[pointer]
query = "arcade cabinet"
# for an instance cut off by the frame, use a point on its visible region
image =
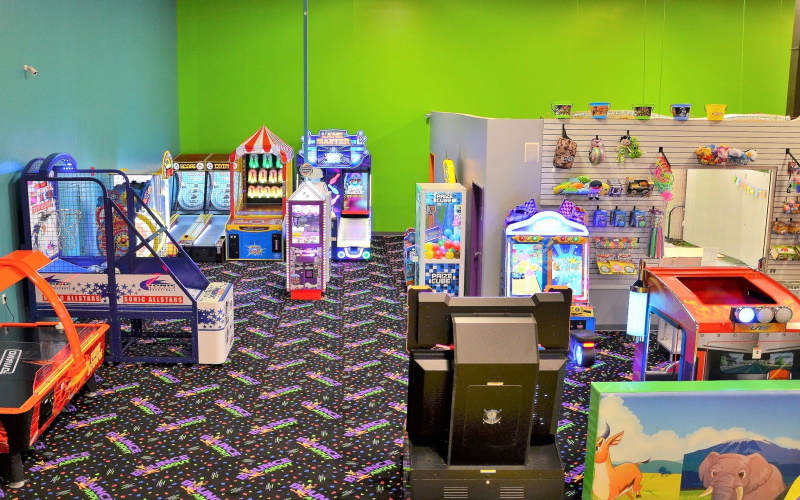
(439, 234)
(260, 182)
(484, 395)
(548, 251)
(346, 166)
(201, 204)
(43, 365)
(308, 241)
(733, 323)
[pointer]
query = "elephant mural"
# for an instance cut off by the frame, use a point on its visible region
(740, 477)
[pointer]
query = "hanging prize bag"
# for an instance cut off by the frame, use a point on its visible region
(565, 150)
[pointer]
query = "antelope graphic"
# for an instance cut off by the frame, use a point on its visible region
(612, 482)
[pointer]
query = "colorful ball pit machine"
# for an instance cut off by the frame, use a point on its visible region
(547, 251)
(440, 235)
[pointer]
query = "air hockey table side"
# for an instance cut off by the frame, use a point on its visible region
(42, 365)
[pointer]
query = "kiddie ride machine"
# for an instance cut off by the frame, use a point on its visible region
(544, 251)
(42, 366)
(731, 323)
(346, 166)
(261, 180)
(106, 264)
(201, 204)
(484, 398)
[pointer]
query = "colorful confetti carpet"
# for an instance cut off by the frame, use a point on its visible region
(309, 405)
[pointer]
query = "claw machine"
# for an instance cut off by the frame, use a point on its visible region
(308, 240)
(260, 182)
(439, 235)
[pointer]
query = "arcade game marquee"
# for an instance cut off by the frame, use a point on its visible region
(346, 166)
(260, 181)
(201, 204)
(733, 323)
(548, 251)
(42, 365)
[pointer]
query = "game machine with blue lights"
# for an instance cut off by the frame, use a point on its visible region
(439, 233)
(730, 323)
(546, 251)
(308, 240)
(201, 204)
(106, 263)
(346, 167)
(260, 181)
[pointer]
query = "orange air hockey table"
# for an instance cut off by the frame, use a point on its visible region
(733, 323)
(42, 365)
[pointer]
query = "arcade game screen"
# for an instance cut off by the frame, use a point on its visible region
(356, 196)
(527, 268)
(566, 267)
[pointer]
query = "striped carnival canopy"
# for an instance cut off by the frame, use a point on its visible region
(264, 141)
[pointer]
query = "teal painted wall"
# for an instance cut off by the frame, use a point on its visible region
(380, 66)
(106, 91)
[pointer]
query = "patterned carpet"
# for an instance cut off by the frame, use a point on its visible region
(309, 405)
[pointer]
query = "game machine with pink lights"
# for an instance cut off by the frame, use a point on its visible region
(308, 241)
(439, 234)
(727, 323)
(545, 251)
(346, 167)
(260, 181)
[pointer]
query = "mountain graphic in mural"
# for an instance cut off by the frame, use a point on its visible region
(787, 460)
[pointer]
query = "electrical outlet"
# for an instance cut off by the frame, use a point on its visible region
(5, 301)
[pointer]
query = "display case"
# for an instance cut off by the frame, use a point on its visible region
(260, 180)
(308, 242)
(439, 235)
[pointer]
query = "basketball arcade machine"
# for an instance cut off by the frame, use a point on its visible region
(103, 266)
(346, 165)
(201, 205)
(548, 251)
(260, 182)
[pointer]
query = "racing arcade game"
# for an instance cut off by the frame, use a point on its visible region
(484, 395)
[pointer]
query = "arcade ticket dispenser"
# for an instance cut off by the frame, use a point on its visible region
(309, 235)
(440, 235)
(260, 180)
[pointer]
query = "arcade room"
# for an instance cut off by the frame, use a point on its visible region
(286, 249)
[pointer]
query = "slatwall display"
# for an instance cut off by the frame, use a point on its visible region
(679, 140)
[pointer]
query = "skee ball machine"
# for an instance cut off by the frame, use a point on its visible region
(548, 251)
(439, 235)
(731, 323)
(42, 365)
(260, 180)
(484, 399)
(347, 166)
(308, 241)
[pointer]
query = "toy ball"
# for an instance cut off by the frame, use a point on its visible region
(441, 242)
(429, 246)
(456, 245)
(455, 237)
(428, 254)
(596, 156)
(448, 244)
(448, 232)
(449, 255)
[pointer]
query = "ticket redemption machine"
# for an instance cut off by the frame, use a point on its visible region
(483, 414)
(439, 235)
(548, 251)
(260, 181)
(44, 365)
(346, 165)
(308, 240)
(732, 323)
(201, 204)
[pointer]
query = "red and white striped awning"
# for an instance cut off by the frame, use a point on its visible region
(264, 141)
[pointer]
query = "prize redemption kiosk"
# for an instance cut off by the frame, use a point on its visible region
(548, 251)
(439, 235)
(201, 204)
(43, 365)
(308, 241)
(732, 323)
(346, 166)
(260, 180)
(483, 398)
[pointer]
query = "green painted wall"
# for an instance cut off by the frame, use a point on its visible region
(380, 66)
(106, 91)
